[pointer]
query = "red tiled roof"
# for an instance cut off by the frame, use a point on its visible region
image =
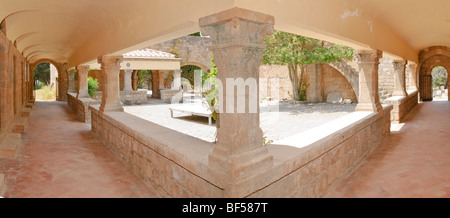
(148, 53)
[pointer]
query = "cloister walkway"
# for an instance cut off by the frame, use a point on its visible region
(59, 157)
(412, 162)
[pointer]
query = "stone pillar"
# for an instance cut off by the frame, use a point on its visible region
(399, 78)
(127, 80)
(237, 37)
(161, 79)
(71, 78)
(412, 69)
(83, 71)
(156, 92)
(62, 82)
(134, 80)
(314, 76)
(176, 79)
(110, 66)
(368, 61)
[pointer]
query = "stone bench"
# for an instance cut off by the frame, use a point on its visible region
(9, 143)
(194, 109)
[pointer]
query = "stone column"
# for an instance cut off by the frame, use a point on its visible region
(134, 80)
(161, 79)
(368, 61)
(71, 75)
(156, 92)
(412, 69)
(176, 79)
(83, 71)
(237, 37)
(110, 66)
(399, 78)
(127, 80)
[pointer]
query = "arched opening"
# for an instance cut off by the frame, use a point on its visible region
(439, 78)
(45, 82)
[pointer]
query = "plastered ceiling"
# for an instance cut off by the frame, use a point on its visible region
(79, 31)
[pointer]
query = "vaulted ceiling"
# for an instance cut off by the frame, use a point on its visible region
(80, 31)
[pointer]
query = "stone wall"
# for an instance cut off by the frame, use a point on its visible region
(334, 81)
(402, 105)
(176, 165)
(312, 167)
(172, 164)
(282, 74)
(386, 77)
(193, 50)
(80, 107)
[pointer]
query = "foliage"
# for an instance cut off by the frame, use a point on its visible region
(145, 76)
(188, 72)
(439, 76)
(92, 86)
(195, 34)
(39, 85)
(212, 94)
(175, 48)
(297, 51)
(42, 73)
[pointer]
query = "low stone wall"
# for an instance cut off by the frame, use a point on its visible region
(128, 98)
(168, 94)
(309, 164)
(81, 106)
(315, 162)
(171, 163)
(402, 105)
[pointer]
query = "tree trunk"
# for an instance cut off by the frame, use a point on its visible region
(293, 75)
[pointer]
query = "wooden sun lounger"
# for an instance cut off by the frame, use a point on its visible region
(197, 110)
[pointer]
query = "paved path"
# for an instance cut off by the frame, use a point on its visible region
(412, 162)
(59, 157)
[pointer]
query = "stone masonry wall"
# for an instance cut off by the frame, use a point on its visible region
(402, 105)
(315, 174)
(173, 165)
(80, 107)
(334, 81)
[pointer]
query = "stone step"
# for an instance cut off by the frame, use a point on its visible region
(10, 144)
(26, 112)
(2, 183)
(20, 124)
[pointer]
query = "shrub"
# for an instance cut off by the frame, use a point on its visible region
(92, 86)
(39, 85)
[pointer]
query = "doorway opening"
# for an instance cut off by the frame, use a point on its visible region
(439, 83)
(45, 82)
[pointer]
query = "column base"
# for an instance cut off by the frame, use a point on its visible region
(369, 107)
(111, 108)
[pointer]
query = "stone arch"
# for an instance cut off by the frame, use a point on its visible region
(428, 59)
(204, 67)
(62, 79)
(350, 73)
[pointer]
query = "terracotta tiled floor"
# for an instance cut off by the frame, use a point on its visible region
(59, 157)
(412, 162)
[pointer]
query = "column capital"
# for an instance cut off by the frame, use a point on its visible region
(110, 61)
(82, 68)
(237, 27)
(368, 56)
(399, 64)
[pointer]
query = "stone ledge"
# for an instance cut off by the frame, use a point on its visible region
(26, 111)
(10, 144)
(314, 162)
(127, 135)
(80, 106)
(2, 184)
(402, 105)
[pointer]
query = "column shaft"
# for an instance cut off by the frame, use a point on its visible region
(412, 69)
(110, 66)
(399, 79)
(237, 37)
(368, 61)
(127, 80)
(83, 71)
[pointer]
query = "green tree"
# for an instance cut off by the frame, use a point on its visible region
(92, 86)
(145, 76)
(42, 73)
(296, 52)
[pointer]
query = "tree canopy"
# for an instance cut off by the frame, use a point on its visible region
(297, 51)
(42, 73)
